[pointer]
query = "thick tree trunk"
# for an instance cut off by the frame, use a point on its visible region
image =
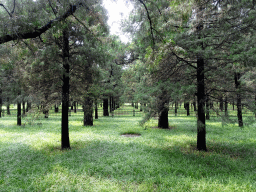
(201, 129)
(65, 144)
(239, 105)
(105, 107)
(207, 108)
(163, 118)
(136, 106)
(96, 109)
(88, 111)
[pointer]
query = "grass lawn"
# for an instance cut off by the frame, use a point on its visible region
(103, 160)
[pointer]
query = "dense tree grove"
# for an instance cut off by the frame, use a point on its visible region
(195, 52)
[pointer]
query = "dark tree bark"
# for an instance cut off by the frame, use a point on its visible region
(110, 104)
(187, 108)
(105, 107)
(136, 106)
(23, 108)
(8, 106)
(65, 144)
(163, 118)
(221, 103)
(96, 109)
(74, 106)
(28, 106)
(88, 111)
(175, 108)
(56, 108)
(226, 106)
(201, 129)
(19, 113)
(239, 105)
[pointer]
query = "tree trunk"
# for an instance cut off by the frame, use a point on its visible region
(105, 107)
(226, 106)
(176, 108)
(74, 106)
(96, 109)
(136, 106)
(28, 106)
(88, 111)
(65, 144)
(239, 106)
(201, 129)
(56, 108)
(163, 118)
(110, 104)
(18, 113)
(187, 108)
(23, 108)
(8, 106)
(140, 106)
(221, 103)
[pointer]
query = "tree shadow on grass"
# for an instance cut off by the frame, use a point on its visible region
(116, 161)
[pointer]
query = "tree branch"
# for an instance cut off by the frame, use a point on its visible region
(37, 32)
(6, 9)
(150, 22)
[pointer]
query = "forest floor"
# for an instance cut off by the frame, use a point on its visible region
(103, 160)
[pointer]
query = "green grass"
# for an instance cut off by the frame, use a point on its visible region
(102, 160)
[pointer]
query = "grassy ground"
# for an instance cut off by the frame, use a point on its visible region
(103, 160)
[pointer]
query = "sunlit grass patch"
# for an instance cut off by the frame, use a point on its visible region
(101, 160)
